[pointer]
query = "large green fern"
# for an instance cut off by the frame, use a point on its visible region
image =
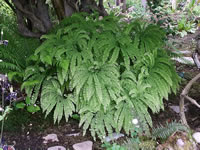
(106, 70)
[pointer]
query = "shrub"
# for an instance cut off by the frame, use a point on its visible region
(106, 70)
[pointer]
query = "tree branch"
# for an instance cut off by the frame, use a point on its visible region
(184, 95)
(192, 101)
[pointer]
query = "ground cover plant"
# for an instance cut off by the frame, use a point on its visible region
(107, 71)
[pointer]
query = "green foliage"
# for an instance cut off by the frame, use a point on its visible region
(170, 128)
(184, 26)
(131, 144)
(14, 56)
(32, 108)
(114, 146)
(5, 113)
(107, 71)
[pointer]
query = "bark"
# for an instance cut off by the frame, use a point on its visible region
(59, 8)
(69, 8)
(22, 27)
(91, 6)
(184, 95)
(32, 17)
(118, 2)
(124, 6)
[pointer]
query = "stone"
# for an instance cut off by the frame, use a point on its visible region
(56, 148)
(73, 134)
(50, 138)
(177, 108)
(180, 143)
(196, 137)
(87, 145)
(114, 136)
(183, 52)
(185, 60)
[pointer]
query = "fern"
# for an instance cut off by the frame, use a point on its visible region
(107, 71)
(170, 128)
(14, 56)
(131, 144)
(52, 97)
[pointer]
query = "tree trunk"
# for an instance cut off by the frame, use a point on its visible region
(65, 8)
(32, 17)
(118, 2)
(91, 6)
(124, 6)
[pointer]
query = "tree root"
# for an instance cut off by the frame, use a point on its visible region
(184, 95)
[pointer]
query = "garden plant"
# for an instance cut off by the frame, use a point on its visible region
(107, 71)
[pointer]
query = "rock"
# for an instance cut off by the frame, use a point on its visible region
(56, 148)
(177, 109)
(183, 52)
(3, 77)
(87, 145)
(114, 136)
(50, 138)
(73, 134)
(185, 60)
(196, 136)
(180, 143)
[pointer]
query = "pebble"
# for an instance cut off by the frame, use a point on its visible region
(113, 136)
(56, 148)
(50, 138)
(87, 145)
(73, 134)
(177, 109)
(196, 136)
(180, 143)
(185, 60)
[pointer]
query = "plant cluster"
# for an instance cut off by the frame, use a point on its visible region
(15, 55)
(182, 21)
(107, 71)
(159, 133)
(139, 141)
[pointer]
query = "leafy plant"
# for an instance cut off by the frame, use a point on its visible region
(32, 108)
(170, 128)
(107, 71)
(131, 144)
(184, 26)
(14, 56)
(114, 146)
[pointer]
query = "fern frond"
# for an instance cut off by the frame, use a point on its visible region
(170, 128)
(52, 97)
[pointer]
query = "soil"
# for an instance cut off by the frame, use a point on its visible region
(25, 130)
